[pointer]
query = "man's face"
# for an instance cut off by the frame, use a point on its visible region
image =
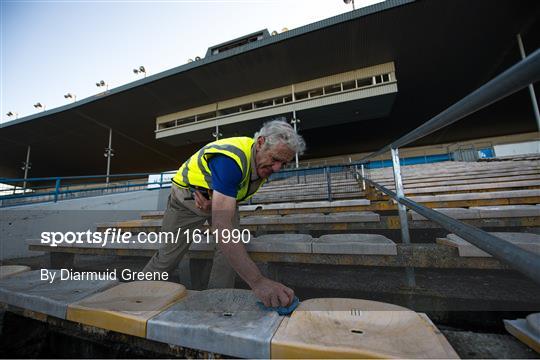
(272, 159)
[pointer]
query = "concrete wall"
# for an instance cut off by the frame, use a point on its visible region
(20, 223)
(530, 147)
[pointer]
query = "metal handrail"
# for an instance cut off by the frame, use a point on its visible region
(4, 180)
(517, 77)
(522, 260)
(58, 189)
(61, 192)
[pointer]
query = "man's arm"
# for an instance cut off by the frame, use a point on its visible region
(271, 293)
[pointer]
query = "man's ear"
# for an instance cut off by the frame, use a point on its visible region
(260, 142)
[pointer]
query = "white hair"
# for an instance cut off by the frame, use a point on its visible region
(278, 131)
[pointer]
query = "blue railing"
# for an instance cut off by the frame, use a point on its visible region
(53, 189)
(374, 164)
(415, 160)
(318, 170)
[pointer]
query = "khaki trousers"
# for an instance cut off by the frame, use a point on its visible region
(181, 213)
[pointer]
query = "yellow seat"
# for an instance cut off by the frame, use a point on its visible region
(127, 307)
(352, 328)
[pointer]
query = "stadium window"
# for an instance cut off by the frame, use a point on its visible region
(228, 111)
(263, 103)
(386, 77)
(205, 116)
(278, 101)
(185, 120)
(167, 125)
(238, 43)
(301, 95)
(364, 82)
(246, 107)
(287, 98)
(378, 79)
(348, 85)
(332, 89)
(315, 92)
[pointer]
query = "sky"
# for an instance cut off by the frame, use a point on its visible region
(51, 48)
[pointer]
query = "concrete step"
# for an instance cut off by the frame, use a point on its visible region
(456, 213)
(488, 212)
(360, 221)
(527, 184)
(283, 224)
(485, 212)
(305, 205)
(299, 183)
(152, 215)
(458, 180)
(392, 223)
(286, 243)
(322, 195)
(527, 241)
(313, 218)
(280, 243)
(359, 244)
(477, 196)
(133, 226)
(363, 244)
(308, 189)
(451, 165)
(383, 204)
(280, 206)
(526, 330)
(411, 174)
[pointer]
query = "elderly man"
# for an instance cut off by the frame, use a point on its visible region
(210, 184)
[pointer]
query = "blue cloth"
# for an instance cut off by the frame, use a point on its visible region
(226, 175)
(281, 310)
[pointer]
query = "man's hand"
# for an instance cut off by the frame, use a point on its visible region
(201, 202)
(272, 293)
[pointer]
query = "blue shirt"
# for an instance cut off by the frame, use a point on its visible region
(226, 175)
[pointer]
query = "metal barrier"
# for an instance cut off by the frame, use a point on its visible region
(326, 183)
(321, 183)
(304, 184)
(510, 81)
(53, 189)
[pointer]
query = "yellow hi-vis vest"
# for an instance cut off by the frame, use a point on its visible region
(195, 172)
